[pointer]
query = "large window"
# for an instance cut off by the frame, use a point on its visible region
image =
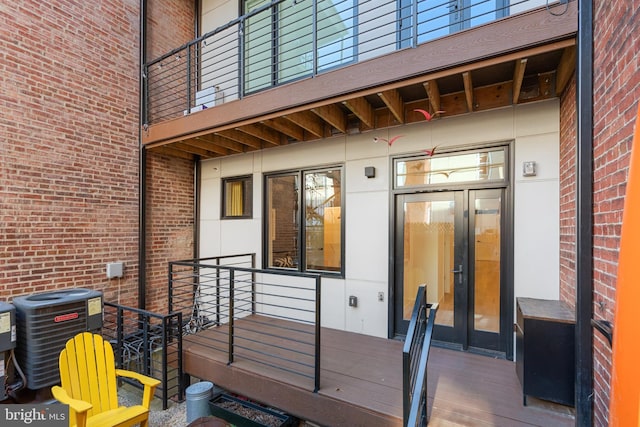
(304, 227)
(294, 40)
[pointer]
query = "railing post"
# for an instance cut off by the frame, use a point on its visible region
(188, 79)
(119, 335)
(414, 23)
(218, 292)
(314, 43)
(166, 321)
(170, 281)
(316, 385)
(241, 47)
(181, 379)
(231, 313)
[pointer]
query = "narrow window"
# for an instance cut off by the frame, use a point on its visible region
(237, 197)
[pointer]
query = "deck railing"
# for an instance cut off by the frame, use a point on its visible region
(415, 356)
(288, 40)
(224, 301)
(147, 343)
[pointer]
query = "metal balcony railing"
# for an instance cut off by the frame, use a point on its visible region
(147, 343)
(267, 317)
(415, 356)
(286, 40)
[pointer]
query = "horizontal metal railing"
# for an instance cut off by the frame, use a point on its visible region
(415, 356)
(288, 40)
(271, 318)
(148, 343)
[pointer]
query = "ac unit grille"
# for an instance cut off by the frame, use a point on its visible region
(43, 330)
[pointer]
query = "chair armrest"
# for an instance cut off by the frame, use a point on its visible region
(143, 379)
(149, 383)
(80, 407)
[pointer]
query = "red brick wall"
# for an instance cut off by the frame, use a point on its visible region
(169, 198)
(69, 73)
(68, 145)
(170, 219)
(616, 96)
(568, 139)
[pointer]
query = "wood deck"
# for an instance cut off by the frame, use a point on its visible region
(361, 383)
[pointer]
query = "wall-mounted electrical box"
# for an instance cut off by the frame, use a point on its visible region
(115, 269)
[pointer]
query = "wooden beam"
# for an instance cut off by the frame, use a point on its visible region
(167, 150)
(468, 89)
(566, 67)
(224, 143)
(518, 75)
(393, 101)
(242, 138)
(286, 127)
(308, 121)
(433, 93)
(207, 145)
(190, 148)
(333, 115)
(362, 109)
(262, 132)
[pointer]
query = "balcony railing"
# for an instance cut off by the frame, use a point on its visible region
(287, 40)
(415, 356)
(267, 317)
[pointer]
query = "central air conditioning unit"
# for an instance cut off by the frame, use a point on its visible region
(7, 341)
(45, 322)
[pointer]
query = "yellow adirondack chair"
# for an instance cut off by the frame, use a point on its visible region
(88, 375)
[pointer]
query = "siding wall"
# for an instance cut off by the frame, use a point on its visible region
(535, 128)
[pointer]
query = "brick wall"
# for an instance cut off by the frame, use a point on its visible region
(616, 97)
(568, 139)
(69, 76)
(169, 198)
(68, 145)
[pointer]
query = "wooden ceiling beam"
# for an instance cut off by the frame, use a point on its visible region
(190, 148)
(433, 92)
(468, 90)
(286, 127)
(362, 109)
(333, 115)
(566, 67)
(167, 150)
(242, 138)
(518, 75)
(205, 144)
(225, 143)
(308, 121)
(262, 132)
(393, 101)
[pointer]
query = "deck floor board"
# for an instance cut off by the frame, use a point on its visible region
(361, 380)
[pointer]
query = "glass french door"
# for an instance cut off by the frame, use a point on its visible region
(451, 242)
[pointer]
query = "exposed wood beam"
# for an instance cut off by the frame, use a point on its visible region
(333, 115)
(208, 145)
(393, 101)
(308, 121)
(242, 138)
(493, 96)
(286, 127)
(224, 143)
(189, 148)
(433, 93)
(169, 151)
(518, 75)
(468, 89)
(566, 67)
(262, 132)
(362, 109)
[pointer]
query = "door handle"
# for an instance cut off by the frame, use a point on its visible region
(459, 272)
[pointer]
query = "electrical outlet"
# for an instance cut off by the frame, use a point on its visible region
(381, 296)
(353, 301)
